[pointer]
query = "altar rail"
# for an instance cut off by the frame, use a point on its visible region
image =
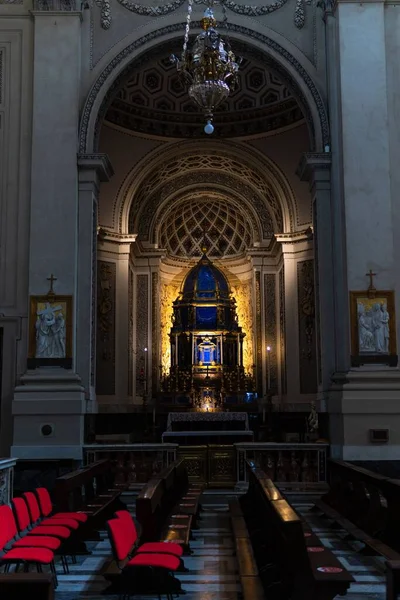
(6, 479)
(284, 463)
(295, 463)
(133, 463)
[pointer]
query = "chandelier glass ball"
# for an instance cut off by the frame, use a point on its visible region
(209, 69)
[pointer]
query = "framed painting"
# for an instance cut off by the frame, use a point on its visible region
(373, 328)
(50, 331)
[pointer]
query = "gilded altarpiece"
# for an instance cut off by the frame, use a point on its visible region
(258, 330)
(244, 303)
(271, 329)
(168, 293)
(142, 331)
(105, 363)
(307, 333)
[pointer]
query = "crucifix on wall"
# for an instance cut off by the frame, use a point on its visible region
(371, 289)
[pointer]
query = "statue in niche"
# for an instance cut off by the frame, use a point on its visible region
(366, 339)
(312, 420)
(381, 330)
(50, 332)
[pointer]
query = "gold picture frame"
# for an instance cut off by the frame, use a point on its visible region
(373, 327)
(50, 321)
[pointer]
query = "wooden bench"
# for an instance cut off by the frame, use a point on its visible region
(286, 560)
(167, 508)
(361, 502)
(252, 588)
(16, 586)
(90, 490)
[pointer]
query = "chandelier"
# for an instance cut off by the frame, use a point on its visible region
(210, 69)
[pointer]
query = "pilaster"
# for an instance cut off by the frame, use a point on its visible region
(114, 247)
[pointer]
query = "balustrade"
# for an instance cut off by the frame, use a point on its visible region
(302, 463)
(133, 463)
(6, 479)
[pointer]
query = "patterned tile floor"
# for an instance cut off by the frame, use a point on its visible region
(212, 566)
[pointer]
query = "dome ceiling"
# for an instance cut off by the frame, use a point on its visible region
(221, 225)
(153, 100)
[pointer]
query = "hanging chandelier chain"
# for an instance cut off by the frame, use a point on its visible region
(187, 28)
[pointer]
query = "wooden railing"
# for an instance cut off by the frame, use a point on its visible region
(6, 479)
(284, 463)
(133, 463)
(367, 499)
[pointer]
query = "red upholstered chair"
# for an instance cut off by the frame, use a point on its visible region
(158, 564)
(25, 524)
(7, 521)
(37, 517)
(148, 547)
(46, 507)
(22, 556)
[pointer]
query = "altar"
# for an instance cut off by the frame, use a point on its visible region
(203, 428)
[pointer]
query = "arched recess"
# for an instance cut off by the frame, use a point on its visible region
(230, 166)
(278, 55)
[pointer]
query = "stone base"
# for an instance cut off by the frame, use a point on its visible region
(48, 409)
(361, 400)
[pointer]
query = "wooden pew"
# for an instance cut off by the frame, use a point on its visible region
(90, 490)
(365, 504)
(17, 586)
(287, 562)
(252, 588)
(166, 509)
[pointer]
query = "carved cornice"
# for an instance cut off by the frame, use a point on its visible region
(96, 162)
(311, 162)
(296, 237)
(105, 235)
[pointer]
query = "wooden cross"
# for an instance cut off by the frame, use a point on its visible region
(371, 289)
(52, 279)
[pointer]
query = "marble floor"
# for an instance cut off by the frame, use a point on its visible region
(212, 566)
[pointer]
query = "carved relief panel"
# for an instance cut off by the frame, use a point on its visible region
(105, 364)
(307, 333)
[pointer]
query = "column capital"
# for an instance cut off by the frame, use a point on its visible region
(100, 163)
(313, 163)
(115, 243)
(296, 241)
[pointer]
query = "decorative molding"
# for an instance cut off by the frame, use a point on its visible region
(97, 162)
(311, 162)
(1, 74)
(56, 5)
(142, 331)
(179, 27)
(282, 330)
(130, 332)
(307, 337)
(161, 10)
(271, 330)
(94, 298)
(106, 292)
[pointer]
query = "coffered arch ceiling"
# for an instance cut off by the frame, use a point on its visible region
(237, 179)
(206, 217)
(153, 100)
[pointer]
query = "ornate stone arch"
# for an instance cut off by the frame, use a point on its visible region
(278, 52)
(233, 166)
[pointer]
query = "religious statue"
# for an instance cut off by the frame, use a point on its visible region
(373, 328)
(50, 332)
(312, 420)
